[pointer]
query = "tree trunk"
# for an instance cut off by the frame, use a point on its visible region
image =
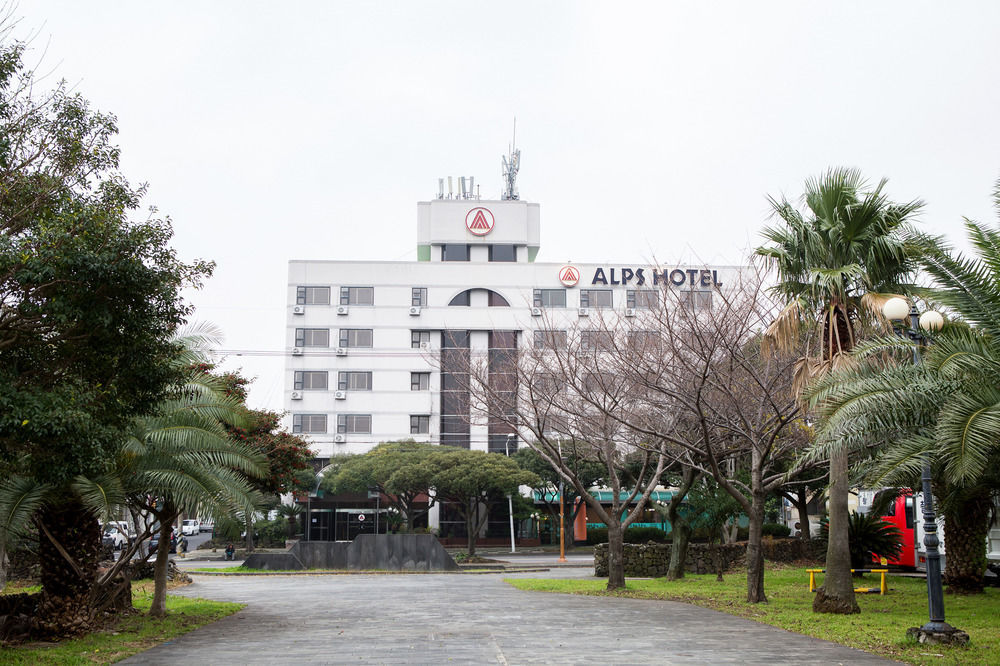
(69, 544)
(158, 608)
(4, 564)
(837, 593)
(249, 526)
(755, 556)
(680, 535)
(716, 557)
(802, 506)
(570, 519)
(966, 527)
(616, 556)
(680, 528)
(470, 526)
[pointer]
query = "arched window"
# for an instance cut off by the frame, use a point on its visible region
(493, 299)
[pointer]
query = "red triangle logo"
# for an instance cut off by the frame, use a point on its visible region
(479, 221)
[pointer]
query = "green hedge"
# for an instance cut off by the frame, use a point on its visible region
(596, 535)
(775, 530)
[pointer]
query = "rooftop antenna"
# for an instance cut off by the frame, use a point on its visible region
(511, 165)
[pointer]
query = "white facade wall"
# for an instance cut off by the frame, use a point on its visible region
(391, 358)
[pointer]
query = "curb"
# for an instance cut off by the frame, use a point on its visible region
(336, 572)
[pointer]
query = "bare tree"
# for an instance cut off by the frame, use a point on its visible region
(702, 362)
(557, 395)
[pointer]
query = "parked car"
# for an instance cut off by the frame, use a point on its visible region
(154, 541)
(190, 527)
(206, 525)
(114, 537)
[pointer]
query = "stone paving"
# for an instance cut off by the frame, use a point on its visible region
(456, 618)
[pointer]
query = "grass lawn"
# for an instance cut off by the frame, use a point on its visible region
(880, 628)
(129, 636)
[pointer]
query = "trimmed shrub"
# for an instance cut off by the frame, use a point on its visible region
(272, 533)
(596, 535)
(645, 534)
(776, 530)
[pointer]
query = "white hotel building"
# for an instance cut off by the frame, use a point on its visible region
(366, 337)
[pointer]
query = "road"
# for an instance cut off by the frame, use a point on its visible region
(436, 618)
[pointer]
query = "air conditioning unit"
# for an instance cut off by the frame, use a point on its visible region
(340, 439)
(296, 395)
(415, 311)
(629, 312)
(340, 395)
(425, 345)
(341, 351)
(584, 312)
(342, 309)
(536, 312)
(296, 351)
(299, 309)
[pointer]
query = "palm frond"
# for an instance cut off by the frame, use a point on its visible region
(101, 495)
(20, 498)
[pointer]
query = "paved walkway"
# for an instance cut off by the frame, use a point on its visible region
(437, 618)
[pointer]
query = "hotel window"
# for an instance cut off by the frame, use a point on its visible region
(315, 380)
(309, 423)
(454, 252)
(420, 381)
(503, 253)
(357, 295)
(354, 423)
(420, 424)
(495, 300)
(462, 298)
(418, 297)
(595, 298)
(550, 339)
(420, 339)
(545, 384)
(354, 381)
(642, 298)
(643, 339)
(312, 337)
(549, 298)
(599, 381)
(696, 300)
(355, 337)
(312, 296)
(595, 340)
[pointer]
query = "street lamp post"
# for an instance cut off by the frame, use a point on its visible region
(510, 502)
(935, 629)
(562, 514)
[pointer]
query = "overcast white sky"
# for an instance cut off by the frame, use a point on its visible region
(308, 130)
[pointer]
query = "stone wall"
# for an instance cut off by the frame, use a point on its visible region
(388, 552)
(653, 559)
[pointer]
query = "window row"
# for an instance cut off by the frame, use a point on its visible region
(604, 298)
(350, 380)
(352, 424)
(351, 296)
(541, 298)
(592, 339)
(346, 337)
(463, 252)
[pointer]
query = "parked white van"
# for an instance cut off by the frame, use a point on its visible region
(190, 527)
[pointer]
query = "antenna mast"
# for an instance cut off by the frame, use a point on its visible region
(511, 165)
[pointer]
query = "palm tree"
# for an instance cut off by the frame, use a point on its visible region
(833, 258)
(179, 456)
(947, 408)
(182, 457)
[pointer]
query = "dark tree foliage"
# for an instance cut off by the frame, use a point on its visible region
(89, 302)
(287, 455)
